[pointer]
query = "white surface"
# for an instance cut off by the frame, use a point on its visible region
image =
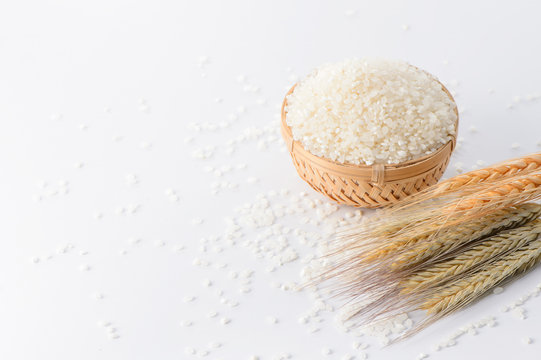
(75, 59)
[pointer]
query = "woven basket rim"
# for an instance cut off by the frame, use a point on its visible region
(393, 172)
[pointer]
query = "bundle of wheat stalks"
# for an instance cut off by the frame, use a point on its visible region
(443, 248)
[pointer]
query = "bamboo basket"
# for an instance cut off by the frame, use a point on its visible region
(368, 186)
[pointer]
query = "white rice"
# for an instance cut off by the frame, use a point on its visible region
(370, 111)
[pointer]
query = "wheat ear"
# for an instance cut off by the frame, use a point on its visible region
(468, 196)
(377, 261)
(387, 276)
(488, 249)
(433, 247)
(504, 169)
(467, 204)
(509, 168)
(451, 297)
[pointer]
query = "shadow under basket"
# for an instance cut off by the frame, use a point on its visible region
(368, 186)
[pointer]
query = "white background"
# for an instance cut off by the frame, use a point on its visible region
(113, 86)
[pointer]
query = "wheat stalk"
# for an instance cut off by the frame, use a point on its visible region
(451, 297)
(468, 260)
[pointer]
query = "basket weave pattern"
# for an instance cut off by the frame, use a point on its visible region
(363, 185)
